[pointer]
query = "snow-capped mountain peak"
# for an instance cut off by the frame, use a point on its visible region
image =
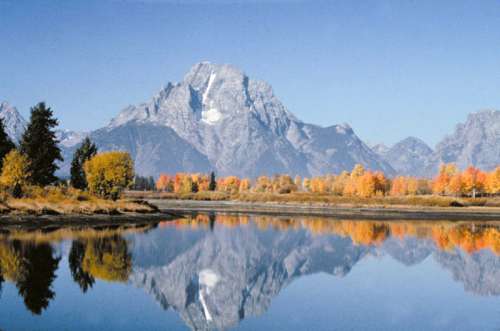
(13, 121)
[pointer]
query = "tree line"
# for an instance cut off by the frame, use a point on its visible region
(358, 182)
(34, 161)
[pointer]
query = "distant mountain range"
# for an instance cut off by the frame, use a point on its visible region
(219, 119)
(475, 142)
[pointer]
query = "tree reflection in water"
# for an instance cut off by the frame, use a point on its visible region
(105, 258)
(32, 268)
(75, 258)
(31, 264)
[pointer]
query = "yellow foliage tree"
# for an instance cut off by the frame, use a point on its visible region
(366, 185)
(109, 173)
(493, 181)
(357, 171)
(456, 185)
(263, 184)
(245, 185)
(473, 181)
(15, 169)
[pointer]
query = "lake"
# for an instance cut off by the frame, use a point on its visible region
(249, 272)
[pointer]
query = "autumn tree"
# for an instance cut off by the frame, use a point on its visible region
(399, 186)
(263, 184)
(382, 184)
(203, 182)
(230, 184)
(40, 145)
(85, 152)
(412, 186)
(366, 185)
(245, 185)
(298, 183)
(493, 181)
(440, 183)
(456, 185)
(357, 171)
(474, 181)
(15, 172)
(185, 185)
(283, 184)
(339, 183)
(163, 182)
(109, 173)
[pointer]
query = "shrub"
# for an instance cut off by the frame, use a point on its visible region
(108, 174)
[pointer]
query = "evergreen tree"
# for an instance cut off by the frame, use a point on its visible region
(151, 184)
(6, 145)
(213, 184)
(39, 144)
(85, 152)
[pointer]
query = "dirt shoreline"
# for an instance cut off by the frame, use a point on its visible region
(334, 211)
(46, 222)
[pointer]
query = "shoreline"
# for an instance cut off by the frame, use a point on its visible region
(48, 222)
(335, 211)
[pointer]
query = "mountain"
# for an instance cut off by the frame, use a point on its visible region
(409, 157)
(69, 138)
(475, 142)
(153, 148)
(219, 119)
(13, 121)
(381, 149)
(240, 126)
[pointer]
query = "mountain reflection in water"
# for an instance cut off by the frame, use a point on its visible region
(216, 270)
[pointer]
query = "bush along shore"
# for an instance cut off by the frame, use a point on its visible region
(28, 185)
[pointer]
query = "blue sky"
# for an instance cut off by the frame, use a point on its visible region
(388, 68)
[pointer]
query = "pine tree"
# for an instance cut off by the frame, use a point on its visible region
(6, 145)
(213, 184)
(39, 144)
(85, 152)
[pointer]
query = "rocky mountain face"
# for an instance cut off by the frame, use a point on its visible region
(219, 119)
(409, 157)
(475, 142)
(241, 127)
(13, 121)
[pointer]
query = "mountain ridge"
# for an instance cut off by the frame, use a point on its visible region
(218, 119)
(474, 142)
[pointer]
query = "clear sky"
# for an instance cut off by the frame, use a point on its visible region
(388, 68)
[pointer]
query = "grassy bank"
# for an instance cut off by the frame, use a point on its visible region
(63, 201)
(324, 199)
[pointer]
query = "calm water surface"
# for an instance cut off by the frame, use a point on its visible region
(254, 273)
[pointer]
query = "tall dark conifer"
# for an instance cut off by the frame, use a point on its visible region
(39, 144)
(85, 152)
(213, 184)
(6, 145)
